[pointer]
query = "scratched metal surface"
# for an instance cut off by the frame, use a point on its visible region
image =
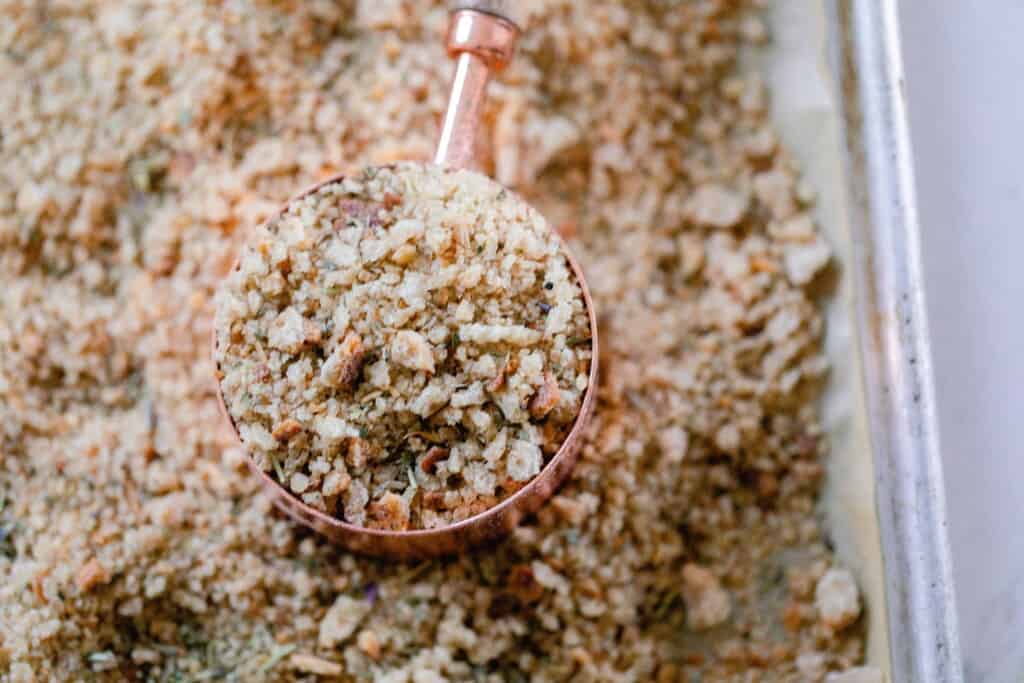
(894, 347)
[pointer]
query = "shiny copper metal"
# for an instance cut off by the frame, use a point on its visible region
(480, 43)
(503, 517)
(488, 36)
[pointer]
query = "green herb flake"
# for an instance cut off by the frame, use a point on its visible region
(278, 469)
(416, 572)
(275, 657)
(406, 459)
(665, 604)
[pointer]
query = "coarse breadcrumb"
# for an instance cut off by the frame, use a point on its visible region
(837, 598)
(413, 331)
(142, 140)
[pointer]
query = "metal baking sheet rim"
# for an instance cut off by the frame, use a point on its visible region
(895, 351)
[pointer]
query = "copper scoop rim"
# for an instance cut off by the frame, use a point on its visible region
(494, 522)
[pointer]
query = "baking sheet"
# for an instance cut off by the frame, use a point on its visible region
(807, 113)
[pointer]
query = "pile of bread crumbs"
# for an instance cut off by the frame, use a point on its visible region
(142, 140)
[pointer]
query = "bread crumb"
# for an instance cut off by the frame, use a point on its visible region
(341, 621)
(412, 350)
(343, 367)
(707, 603)
(572, 510)
(716, 206)
(837, 598)
(315, 665)
(286, 429)
(369, 644)
(290, 332)
(546, 398)
(805, 261)
(91, 575)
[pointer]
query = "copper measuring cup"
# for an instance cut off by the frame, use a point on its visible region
(482, 38)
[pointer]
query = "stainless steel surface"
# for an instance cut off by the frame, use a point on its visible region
(866, 63)
(963, 61)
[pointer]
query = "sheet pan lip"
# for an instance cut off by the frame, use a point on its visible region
(923, 633)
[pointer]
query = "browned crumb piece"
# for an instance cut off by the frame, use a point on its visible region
(435, 455)
(343, 366)
(707, 603)
(369, 643)
(91, 575)
(546, 398)
(522, 584)
(391, 512)
(435, 500)
(310, 664)
(497, 382)
(37, 588)
(553, 435)
(508, 367)
(286, 429)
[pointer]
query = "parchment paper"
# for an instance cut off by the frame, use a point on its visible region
(805, 110)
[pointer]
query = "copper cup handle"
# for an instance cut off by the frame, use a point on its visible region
(480, 42)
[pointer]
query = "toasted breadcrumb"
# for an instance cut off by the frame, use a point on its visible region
(141, 143)
(837, 598)
(91, 575)
(315, 665)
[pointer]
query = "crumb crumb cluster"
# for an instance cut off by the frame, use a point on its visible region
(403, 348)
(141, 141)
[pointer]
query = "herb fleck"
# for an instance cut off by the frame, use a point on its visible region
(276, 655)
(278, 469)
